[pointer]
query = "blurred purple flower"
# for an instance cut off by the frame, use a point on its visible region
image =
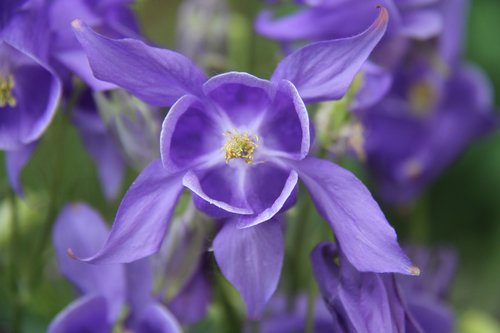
(99, 143)
(29, 89)
(422, 126)
(239, 143)
(436, 107)
(371, 302)
(280, 317)
(111, 17)
(104, 289)
(327, 19)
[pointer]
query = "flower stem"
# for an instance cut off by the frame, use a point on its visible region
(311, 306)
(17, 316)
(57, 175)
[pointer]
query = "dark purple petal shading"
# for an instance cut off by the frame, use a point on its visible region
(431, 316)
(367, 239)
(285, 129)
(251, 259)
(189, 134)
(80, 228)
(87, 314)
(158, 76)
(156, 319)
(358, 302)
(324, 70)
(37, 91)
(142, 218)
(7, 9)
(242, 97)
(275, 112)
(260, 190)
(15, 160)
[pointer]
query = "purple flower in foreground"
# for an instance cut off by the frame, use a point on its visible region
(106, 288)
(240, 143)
(377, 302)
(29, 90)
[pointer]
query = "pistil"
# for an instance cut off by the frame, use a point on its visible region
(6, 85)
(240, 145)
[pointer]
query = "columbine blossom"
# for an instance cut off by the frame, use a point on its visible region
(240, 144)
(374, 302)
(436, 107)
(29, 90)
(104, 289)
(422, 125)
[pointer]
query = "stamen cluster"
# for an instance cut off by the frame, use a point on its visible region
(6, 85)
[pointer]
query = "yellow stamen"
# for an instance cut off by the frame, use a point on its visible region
(240, 145)
(422, 97)
(6, 86)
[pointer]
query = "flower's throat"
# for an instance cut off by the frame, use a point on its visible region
(240, 145)
(6, 85)
(422, 97)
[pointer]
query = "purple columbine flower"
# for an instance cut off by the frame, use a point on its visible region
(104, 289)
(374, 302)
(423, 125)
(29, 90)
(436, 107)
(240, 143)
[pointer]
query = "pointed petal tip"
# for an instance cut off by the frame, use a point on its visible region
(77, 24)
(414, 270)
(383, 16)
(71, 254)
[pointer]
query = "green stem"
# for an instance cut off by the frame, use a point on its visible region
(311, 306)
(57, 176)
(17, 317)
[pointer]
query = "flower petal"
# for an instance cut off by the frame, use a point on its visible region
(156, 318)
(191, 304)
(87, 314)
(261, 188)
(421, 24)
(189, 134)
(142, 218)
(139, 275)
(36, 90)
(251, 259)
(81, 228)
(319, 22)
(158, 76)
(364, 302)
(324, 70)
(15, 161)
(364, 234)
